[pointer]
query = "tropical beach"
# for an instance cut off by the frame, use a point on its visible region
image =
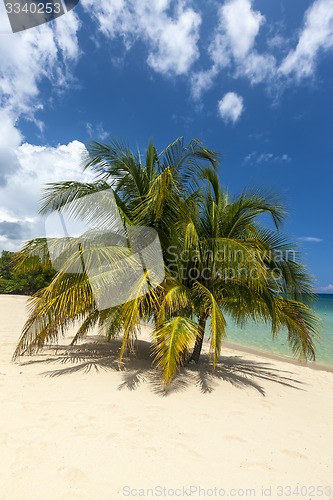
(75, 427)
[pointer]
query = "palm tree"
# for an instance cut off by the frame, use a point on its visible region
(232, 266)
(160, 183)
(218, 259)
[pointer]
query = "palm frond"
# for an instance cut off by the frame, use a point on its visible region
(170, 342)
(57, 195)
(302, 325)
(53, 309)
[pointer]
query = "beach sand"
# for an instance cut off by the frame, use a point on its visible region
(74, 426)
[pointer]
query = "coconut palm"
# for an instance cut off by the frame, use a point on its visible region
(163, 182)
(232, 266)
(218, 259)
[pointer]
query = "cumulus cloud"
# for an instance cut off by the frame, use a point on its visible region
(233, 46)
(171, 37)
(239, 26)
(20, 198)
(315, 37)
(27, 59)
(31, 56)
(231, 107)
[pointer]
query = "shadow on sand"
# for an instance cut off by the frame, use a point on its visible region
(137, 369)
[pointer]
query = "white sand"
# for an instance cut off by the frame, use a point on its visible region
(106, 434)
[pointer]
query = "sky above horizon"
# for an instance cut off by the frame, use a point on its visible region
(252, 79)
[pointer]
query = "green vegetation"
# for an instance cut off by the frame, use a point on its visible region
(23, 281)
(218, 257)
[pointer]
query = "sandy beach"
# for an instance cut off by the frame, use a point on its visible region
(74, 426)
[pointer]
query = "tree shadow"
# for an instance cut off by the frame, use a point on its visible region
(137, 369)
(242, 373)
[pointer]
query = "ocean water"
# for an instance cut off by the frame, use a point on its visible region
(258, 335)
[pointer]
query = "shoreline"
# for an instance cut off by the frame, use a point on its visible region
(226, 344)
(276, 357)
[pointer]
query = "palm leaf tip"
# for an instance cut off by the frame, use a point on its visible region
(170, 342)
(302, 324)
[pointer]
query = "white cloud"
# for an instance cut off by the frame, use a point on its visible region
(171, 38)
(264, 158)
(176, 49)
(10, 139)
(239, 27)
(66, 29)
(260, 158)
(257, 68)
(27, 59)
(231, 107)
(20, 197)
(31, 56)
(203, 81)
(233, 46)
(310, 239)
(316, 36)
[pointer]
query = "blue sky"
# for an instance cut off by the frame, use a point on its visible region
(252, 79)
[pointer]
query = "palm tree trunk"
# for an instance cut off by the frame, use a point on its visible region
(199, 340)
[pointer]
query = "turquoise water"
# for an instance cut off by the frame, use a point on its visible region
(258, 336)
